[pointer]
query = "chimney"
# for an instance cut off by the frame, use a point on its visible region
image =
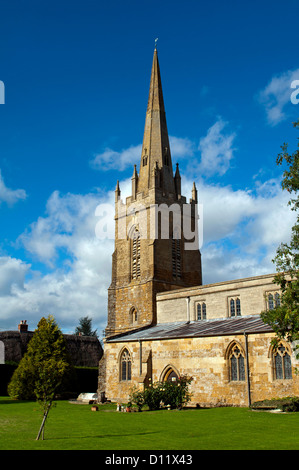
(23, 327)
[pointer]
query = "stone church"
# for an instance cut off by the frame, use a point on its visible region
(162, 322)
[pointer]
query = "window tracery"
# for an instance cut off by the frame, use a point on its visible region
(236, 364)
(282, 363)
(125, 366)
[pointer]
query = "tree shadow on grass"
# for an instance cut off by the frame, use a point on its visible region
(11, 401)
(101, 436)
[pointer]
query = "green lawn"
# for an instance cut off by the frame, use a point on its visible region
(72, 426)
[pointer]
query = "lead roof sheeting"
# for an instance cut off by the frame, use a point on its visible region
(215, 327)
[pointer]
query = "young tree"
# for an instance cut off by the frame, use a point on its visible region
(284, 319)
(85, 327)
(42, 369)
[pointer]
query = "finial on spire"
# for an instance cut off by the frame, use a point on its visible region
(156, 40)
(194, 192)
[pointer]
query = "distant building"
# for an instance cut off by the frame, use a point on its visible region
(83, 350)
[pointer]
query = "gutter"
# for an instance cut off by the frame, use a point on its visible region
(247, 369)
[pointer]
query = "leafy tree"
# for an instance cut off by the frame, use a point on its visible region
(85, 327)
(42, 369)
(284, 319)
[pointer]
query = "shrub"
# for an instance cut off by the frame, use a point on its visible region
(174, 394)
(137, 398)
(153, 396)
(288, 404)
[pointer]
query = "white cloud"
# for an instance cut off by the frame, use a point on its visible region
(110, 159)
(79, 266)
(113, 160)
(241, 235)
(181, 147)
(277, 95)
(12, 275)
(241, 229)
(70, 219)
(10, 196)
(216, 149)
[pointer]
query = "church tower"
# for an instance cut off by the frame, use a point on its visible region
(152, 252)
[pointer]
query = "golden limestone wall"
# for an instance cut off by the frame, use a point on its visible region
(172, 306)
(207, 361)
(155, 273)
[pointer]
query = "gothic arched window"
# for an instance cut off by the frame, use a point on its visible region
(282, 363)
(170, 375)
(125, 366)
(236, 364)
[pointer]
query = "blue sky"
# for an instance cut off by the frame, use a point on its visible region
(76, 76)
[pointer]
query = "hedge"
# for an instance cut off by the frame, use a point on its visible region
(82, 380)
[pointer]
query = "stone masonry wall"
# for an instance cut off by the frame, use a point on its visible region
(172, 306)
(83, 350)
(206, 360)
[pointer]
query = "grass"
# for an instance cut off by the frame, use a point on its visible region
(73, 426)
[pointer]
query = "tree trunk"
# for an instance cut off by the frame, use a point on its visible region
(41, 429)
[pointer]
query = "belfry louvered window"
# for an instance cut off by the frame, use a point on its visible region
(176, 258)
(136, 255)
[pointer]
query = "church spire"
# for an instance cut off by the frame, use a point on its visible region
(156, 166)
